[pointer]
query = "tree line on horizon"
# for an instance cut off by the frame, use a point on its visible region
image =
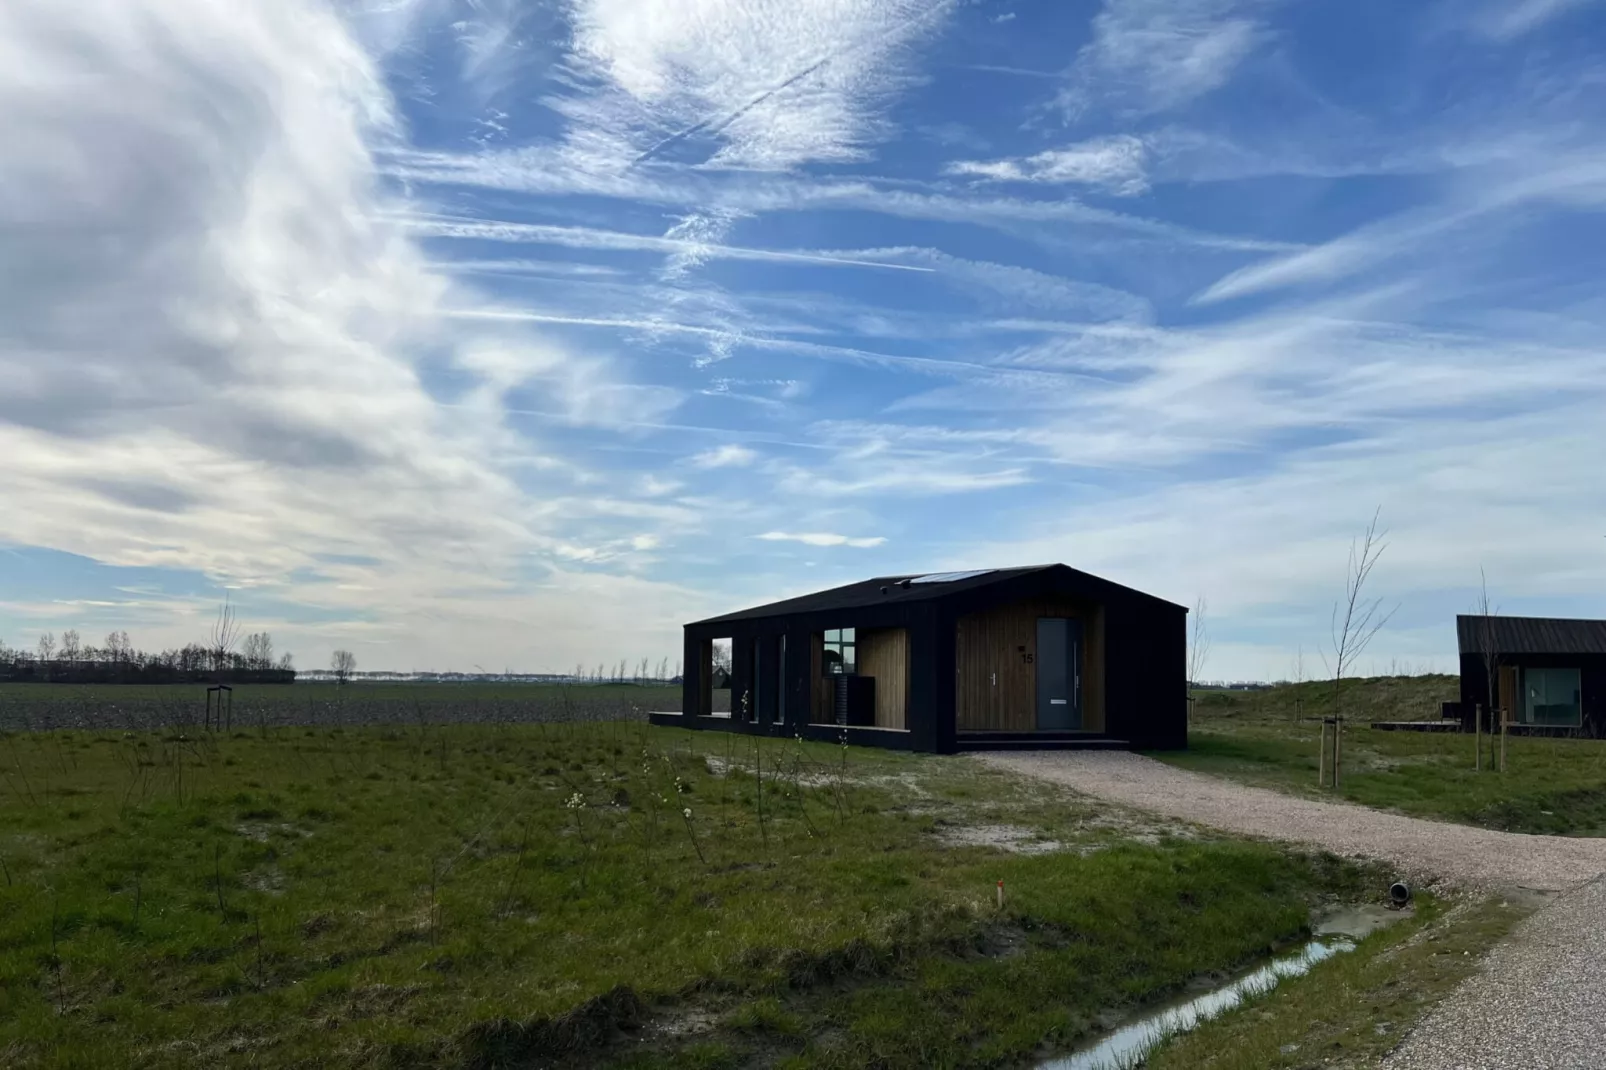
(226, 657)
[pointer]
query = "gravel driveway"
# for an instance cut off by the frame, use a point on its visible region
(1536, 1002)
(1423, 850)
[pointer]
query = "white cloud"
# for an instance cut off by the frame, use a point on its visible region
(766, 84)
(1113, 163)
(727, 456)
(822, 538)
(1151, 55)
(243, 386)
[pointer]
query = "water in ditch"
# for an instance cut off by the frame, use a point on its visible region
(1126, 1047)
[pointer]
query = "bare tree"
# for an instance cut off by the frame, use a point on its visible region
(342, 663)
(1356, 618)
(287, 662)
(1488, 651)
(258, 650)
(47, 649)
(72, 646)
(1299, 678)
(225, 634)
(721, 655)
(1198, 650)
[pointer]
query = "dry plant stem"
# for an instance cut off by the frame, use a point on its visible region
(217, 879)
(692, 832)
(758, 765)
(518, 865)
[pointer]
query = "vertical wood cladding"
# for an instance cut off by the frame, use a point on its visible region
(820, 693)
(995, 686)
(884, 654)
(1509, 696)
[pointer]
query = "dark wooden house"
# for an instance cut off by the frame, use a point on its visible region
(1549, 673)
(1010, 657)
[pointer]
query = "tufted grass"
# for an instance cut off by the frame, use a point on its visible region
(428, 896)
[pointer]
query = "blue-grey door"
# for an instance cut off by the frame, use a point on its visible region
(1059, 673)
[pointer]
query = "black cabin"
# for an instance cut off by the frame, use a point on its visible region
(1011, 657)
(1549, 673)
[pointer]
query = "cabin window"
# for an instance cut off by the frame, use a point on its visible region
(840, 656)
(1552, 697)
(717, 678)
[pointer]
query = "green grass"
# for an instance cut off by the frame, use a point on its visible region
(1352, 1009)
(425, 896)
(1555, 786)
(138, 707)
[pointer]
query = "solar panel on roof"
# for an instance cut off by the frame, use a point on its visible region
(950, 577)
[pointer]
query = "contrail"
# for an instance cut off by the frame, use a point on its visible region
(715, 126)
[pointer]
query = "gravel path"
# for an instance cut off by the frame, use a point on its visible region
(1425, 851)
(1536, 1002)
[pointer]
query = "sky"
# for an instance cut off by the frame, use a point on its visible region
(513, 334)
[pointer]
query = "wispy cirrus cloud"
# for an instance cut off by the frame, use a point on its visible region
(1148, 56)
(1115, 164)
(730, 455)
(823, 538)
(686, 244)
(1508, 19)
(766, 84)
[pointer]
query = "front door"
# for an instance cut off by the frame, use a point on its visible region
(1059, 673)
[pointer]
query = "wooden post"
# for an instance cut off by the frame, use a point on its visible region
(1477, 737)
(1321, 761)
(1338, 749)
(1505, 718)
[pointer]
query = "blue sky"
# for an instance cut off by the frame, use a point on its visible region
(514, 334)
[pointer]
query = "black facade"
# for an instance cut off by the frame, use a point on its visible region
(1531, 656)
(1134, 655)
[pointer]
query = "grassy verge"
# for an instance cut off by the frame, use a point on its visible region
(588, 894)
(1554, 786)
(1352, 1009)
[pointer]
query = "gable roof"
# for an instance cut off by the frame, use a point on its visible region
(1531, 635)
(903, 588)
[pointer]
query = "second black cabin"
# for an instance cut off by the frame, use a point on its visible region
(1549, 673)
(1013, 657)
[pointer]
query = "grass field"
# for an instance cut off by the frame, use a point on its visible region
(589, 894)
(141, 707)
(1553, 786)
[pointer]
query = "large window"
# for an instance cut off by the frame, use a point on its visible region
(840, 656)
(1552, 696)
